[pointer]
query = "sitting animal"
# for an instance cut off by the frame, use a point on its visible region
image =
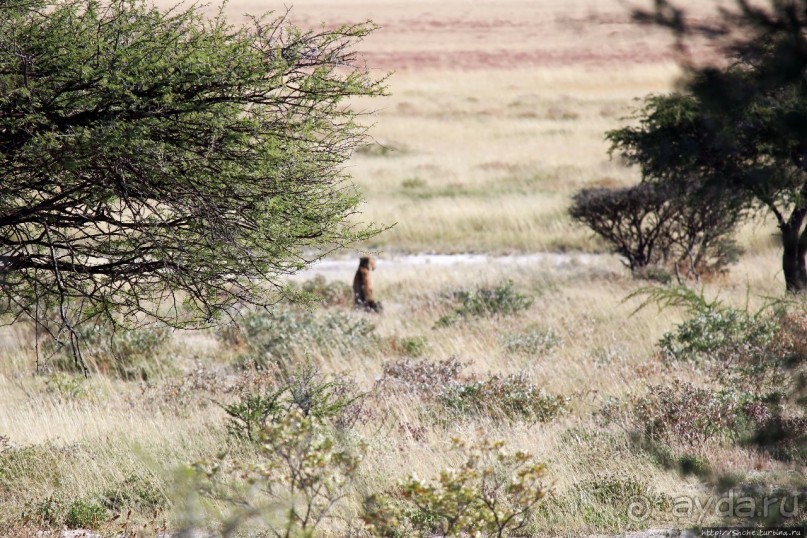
(363, 286)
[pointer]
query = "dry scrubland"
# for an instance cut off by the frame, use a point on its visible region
(496, 117)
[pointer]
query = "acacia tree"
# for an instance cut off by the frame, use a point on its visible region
(658, 224)
(738, 127)
(163, 165)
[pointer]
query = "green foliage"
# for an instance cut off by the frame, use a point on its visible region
(736, 127)
(137, 492)
(287, 333)
(755, 361)
(492, 492)
(534, 342)
(414, 346)
(503, 300)
(164, 164)
(512, 397)
(745, 350)
(719, 334)
(408, 346)
(249, 415)
(83, 514)
(442, 387)
(128, 354)
(413, 183)
(76, 514)
(67, 387)
(299, 478)
(304, 391)
(41, 463)
(320, 291)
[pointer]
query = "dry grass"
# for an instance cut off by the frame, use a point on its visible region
(91, 440)
(496, 117)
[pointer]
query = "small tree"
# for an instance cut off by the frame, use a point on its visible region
(738, 128)
(657, 225)
(163, 165)
(635, 221)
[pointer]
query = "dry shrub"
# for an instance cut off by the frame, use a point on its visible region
(441, 386)
(685, 413)
(422, 378)
(656, 225)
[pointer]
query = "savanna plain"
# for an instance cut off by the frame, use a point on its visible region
(533, 346)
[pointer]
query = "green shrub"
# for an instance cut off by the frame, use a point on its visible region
(493, 492)
(723, 334)
(413, 183)
(760, 360)
(288, 332)
(66, 387)
(531, 343)
(135, 492)
(128, 354)
(409, 346)
(440, 384)
(298, 479)
(503, 300)
(305, 391)
(83, 514)
(513, 397)
(78, 514)
(322, 292)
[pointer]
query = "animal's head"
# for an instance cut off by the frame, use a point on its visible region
(367, 262)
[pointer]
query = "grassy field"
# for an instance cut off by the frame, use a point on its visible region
(496, 117)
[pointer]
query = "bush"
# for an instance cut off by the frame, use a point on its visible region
(492, 493)
(738, 348)
(723, 334)
(287, 333)
(128, 354)
(410, 346)
(531, 343)
(136, 492)
(441, 385)
(650, 224)
(685, 413)
(299, 479)
(82, 514)
(759, 358)
(512, 397)
(67, 387)
(503, 300)
(318, 289)
(303, 391)
(78, 514)
(422, 378)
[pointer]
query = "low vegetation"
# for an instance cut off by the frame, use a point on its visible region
(509, 397)
(273, 428)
